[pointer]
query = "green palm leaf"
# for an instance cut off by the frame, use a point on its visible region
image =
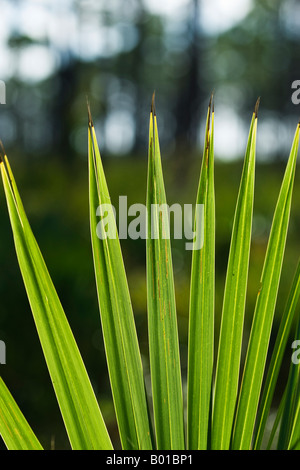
(277, 356)
(264, 310)
(201, 318)
(14, 429)
(162, 321)
(289, 435)
(120, 338)
(78, 405)
(230, 342)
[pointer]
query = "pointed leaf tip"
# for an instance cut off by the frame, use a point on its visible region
(257, 106)
(211, 101)
(153, 111)
(2, 152)
(90, 120)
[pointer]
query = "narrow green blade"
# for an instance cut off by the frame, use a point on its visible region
(78, 404)
(294, 440)
(231, 332)
(119, 332)
(14, 429)
(276, 421)
(162, 321)
(201, 317)
(264, 310)
(276, 359)
(289, 434)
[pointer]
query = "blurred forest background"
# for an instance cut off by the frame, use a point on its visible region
(53, 54)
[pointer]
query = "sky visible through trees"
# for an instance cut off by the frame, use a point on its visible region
(53, 54)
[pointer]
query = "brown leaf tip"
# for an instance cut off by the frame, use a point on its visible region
(2, 152)
(257, 106)
(153, 111)
(211, 102)
(90, 120)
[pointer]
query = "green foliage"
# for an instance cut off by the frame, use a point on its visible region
(162, 321)
(121, 344)
(14, 428)
(230, 343)
(223, 412)
(201, 322)
(78, 405)
(264, 310)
